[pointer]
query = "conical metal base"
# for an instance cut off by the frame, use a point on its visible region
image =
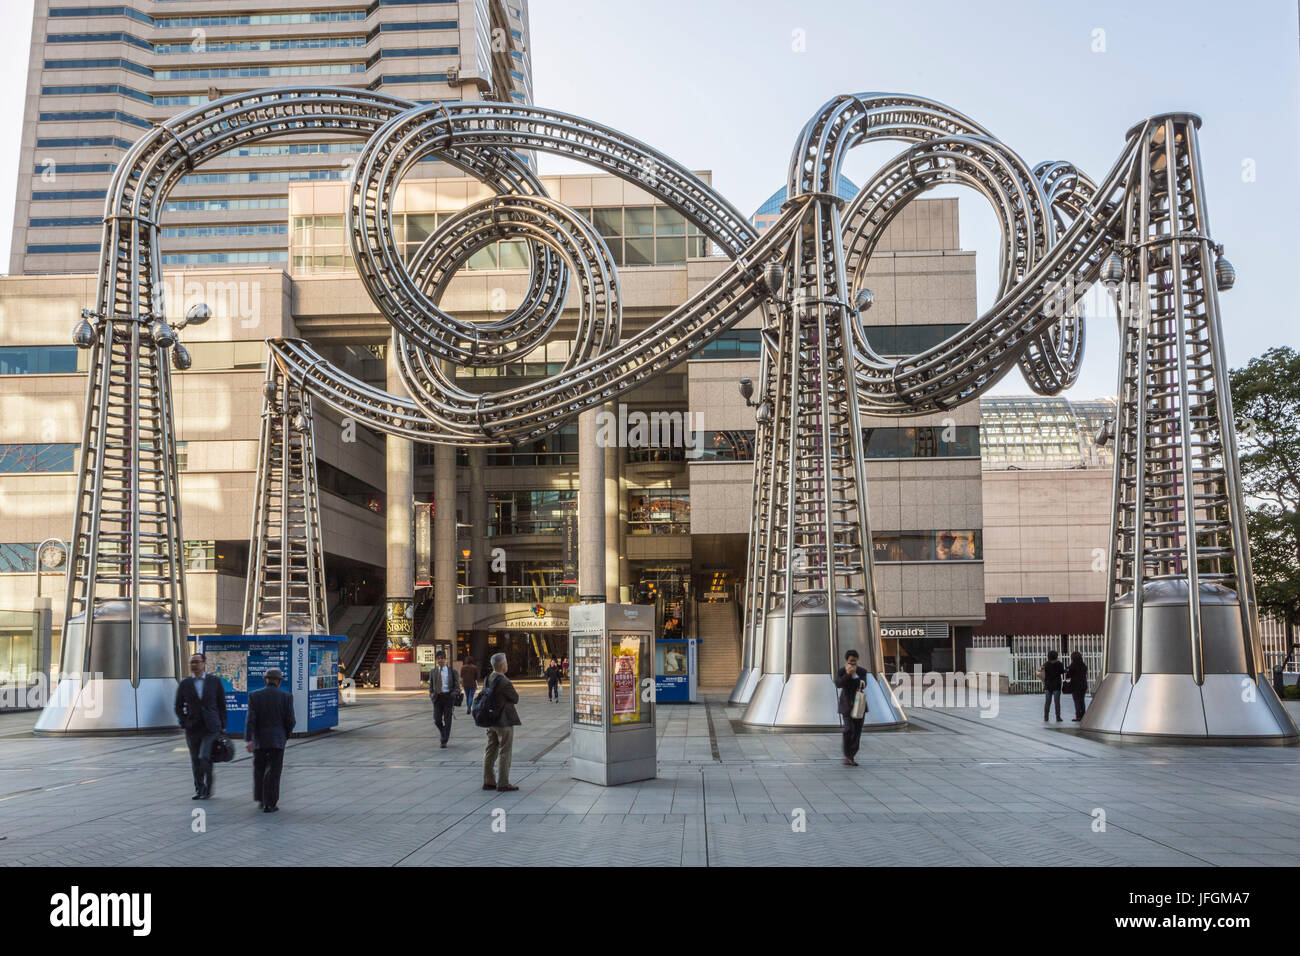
(809, 702)
(1230, 706)
(97, 706)
(745, 684)
(808, 699)
(102, 699)
(1226, 709)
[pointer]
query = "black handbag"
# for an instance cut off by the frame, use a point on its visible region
(222, 752)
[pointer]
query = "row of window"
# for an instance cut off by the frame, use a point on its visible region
(412, 51)
(19, 557)
(63, 359)
(222, 205)
(218, 258)
(70, 168)
(78, 116)
(73, 142)
(240, 19)
(37, 457)
(244, 229)
(924, 441)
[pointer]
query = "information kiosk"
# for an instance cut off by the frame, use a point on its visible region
(309, 662)
(676, 679)
(611, 654)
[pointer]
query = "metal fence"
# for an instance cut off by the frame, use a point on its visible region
(1029, 652)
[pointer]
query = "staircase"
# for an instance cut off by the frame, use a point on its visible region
(719, 648)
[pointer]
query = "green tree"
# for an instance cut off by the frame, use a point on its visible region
(1266, 403)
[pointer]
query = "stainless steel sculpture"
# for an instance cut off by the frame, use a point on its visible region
(1183, 652)
(811, 582)
(285, 591)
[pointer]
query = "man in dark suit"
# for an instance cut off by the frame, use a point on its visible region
(444, 688)
(201, 710)
(270, 722)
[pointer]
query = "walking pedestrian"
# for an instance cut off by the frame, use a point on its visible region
(499, 696)
(852, 682)
(469, 681)
(201, 710)
(1051, 673)
(1076, 675)
(553, 675)
(270, 722)
(444, 689)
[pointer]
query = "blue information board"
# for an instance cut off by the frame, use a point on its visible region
(309, 663)
(675, 677)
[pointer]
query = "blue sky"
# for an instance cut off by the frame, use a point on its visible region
(718, 85)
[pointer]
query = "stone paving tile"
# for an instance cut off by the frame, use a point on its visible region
(956, 789)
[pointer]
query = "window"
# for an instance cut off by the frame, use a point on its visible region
(896, 546)
(90, 89)
(15, 459)
(17, 557)
(923, 441)
(247, 229)
(647, 235)
(37, 359)
(558, 448)
(196, 258)
(732, 344)
(659, 511)
(38, 248)
(901, 340)
(72, 142)
(118, 37)
(529, 512)
(68, 194)
(231, 46)
(220, 205)
(733, 445)
(76, 116)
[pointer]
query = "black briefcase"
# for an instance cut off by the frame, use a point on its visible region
(222, 752)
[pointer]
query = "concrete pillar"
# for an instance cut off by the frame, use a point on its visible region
(480, 544)
(591, 510)
(399, 672)
(624, 566)
(613, 542)
(445, 554)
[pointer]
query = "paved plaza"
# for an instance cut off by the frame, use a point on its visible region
(953, 789)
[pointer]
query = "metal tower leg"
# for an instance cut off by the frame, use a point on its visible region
(124, 621)
(819, 599)
(286, 564)
(1182, 633)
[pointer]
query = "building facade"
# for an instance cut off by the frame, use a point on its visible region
(101, 75)
(1047, 500)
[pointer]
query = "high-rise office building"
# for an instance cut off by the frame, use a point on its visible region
(102, 75)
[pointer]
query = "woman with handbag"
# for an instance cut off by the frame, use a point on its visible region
(852, 682)
(1076, 682)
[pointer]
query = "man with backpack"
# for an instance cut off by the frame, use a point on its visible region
(494, 710)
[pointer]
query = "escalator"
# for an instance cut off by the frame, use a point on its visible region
(363, 625)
